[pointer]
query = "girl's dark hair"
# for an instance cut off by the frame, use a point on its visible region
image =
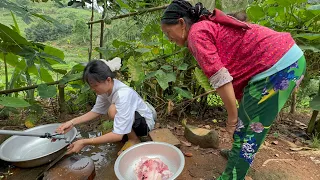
(183, 9)
(97, 71)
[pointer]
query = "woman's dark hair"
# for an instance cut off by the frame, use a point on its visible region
(97, 71)
(191, 14)
(183, 9)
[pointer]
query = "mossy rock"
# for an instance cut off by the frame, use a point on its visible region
(199, 136)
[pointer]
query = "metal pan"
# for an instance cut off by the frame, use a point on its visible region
(27, 152)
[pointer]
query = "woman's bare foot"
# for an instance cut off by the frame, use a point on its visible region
(128, 144)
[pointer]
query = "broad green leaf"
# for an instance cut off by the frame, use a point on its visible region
(10, 36)
(150, 75)
(116, 43)
(53, 52)
(183, 67)
(11, 59)
(202, 79)
(167, 67)
(183, 92)
(285, 3)
(135, 69)
(315, 103)
(46, 91)
(78, 68)
(61, 66)
(273, 11)
(17, 29)
(51, 59)
(164, 78)
(309, 36)
(45, 75)
(142, 50)
(13, 102)
(71, 77)
(255, 12)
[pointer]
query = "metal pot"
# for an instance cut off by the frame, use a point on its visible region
(27, 152)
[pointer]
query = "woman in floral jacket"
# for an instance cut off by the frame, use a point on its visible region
(254, 64)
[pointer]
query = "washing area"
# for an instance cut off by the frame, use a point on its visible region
(29, 158)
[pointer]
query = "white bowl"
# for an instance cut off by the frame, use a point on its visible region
(170, 155)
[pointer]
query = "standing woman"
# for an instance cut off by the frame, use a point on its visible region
(250, 63)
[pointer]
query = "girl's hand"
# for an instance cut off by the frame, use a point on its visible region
(65, 127)
(76, 146)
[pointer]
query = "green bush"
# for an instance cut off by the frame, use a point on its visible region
(41, 31)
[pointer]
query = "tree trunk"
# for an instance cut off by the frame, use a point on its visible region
(312, 122)
(293, 101)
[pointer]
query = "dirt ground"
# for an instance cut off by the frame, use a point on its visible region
(282, 157)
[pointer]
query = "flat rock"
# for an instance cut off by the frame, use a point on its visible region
(164, 135)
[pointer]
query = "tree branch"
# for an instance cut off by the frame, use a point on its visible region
(131, 14)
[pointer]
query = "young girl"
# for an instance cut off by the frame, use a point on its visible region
(132, 116)
(254, 64)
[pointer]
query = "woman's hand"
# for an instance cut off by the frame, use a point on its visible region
(76, 146)
(65, 127)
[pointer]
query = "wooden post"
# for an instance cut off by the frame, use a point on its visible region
(61, 100)
(102, 26)
(91, 31)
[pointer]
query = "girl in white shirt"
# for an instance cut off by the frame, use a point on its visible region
(132, 116)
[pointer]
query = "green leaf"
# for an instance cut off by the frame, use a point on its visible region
(61, 66)
(150, 75)
(10, 36)
(309, 36)
(13, 102)
(255, 13)
(46, 91)
(167, 67)
(135, 70)
(124, 5)
(202, 79)
(183, 92)
(142, 50)
(116, 43)
(315, 103)
(164, 78)
(11, 59)
(78, 68)
(55, 55)
(71, 77)
(17, 29)
(183, 67)
(45, 75)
